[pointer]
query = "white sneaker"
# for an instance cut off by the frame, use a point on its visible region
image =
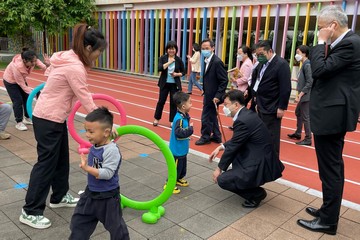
(27, 121)
(4, 135)
(20, 126)
(39, 222)
(67, 201)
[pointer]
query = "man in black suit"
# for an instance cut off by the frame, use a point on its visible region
(334, 110)
(215, 81)
(250, 151)
(271, 88)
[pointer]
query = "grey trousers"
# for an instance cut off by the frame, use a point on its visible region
(5, 112)
(302, 113)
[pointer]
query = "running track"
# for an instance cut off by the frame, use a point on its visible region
(139, 95)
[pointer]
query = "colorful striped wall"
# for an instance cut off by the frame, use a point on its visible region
(136, 38)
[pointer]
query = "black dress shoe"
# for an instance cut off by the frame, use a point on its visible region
(253, 203)
(294, 136)
(202, 142)
(304, 142)
(215, 140)
(315, 225)
(313, 211)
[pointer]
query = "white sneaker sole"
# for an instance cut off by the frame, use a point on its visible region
(30, 224)
(60, 205)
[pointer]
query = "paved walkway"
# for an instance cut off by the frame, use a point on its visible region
(200, 211)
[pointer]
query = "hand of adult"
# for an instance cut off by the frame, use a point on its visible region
(213, 155)
(326, 33)
(280, 113)
(216, 174)
(114, 133)
(216, 100)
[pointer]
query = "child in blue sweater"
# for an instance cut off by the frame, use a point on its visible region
(101, 199)
(181, 131)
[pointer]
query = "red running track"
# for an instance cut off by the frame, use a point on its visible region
(139, 96)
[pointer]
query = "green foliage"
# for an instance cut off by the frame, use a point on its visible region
(54, 16)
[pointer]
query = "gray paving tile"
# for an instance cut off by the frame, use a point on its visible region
(197, 183)
(22, 168)
(216, 192)
(202, 225)
(130, 214)
(135, 189)
(195, 169)
(154, 181)
(224, 213)
(3, 218)
(9, 159)
(150, 230)
(9, 231)
(11, 195)
(177, 211)
(175, 233)
(198, 201)
(6, 182)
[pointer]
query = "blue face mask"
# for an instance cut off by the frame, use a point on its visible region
(206, 53)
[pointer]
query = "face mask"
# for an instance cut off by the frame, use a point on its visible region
(239, 57)
(206, 53)
(298, 57)
(227, 111)
(262, 59)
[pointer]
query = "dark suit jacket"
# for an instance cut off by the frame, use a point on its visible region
(305, 81)
(335, 96)
(251, 152)
(215, 80)
(179, 68)
(275, 86)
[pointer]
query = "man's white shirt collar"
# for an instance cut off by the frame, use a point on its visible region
(339, 39)
(237, 114)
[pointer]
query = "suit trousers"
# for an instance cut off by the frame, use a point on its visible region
(19, 99)
(89, 212)
(329, 150)
(52, 167)
(209, 123)
(230, 181)
(273, 124)
(302, 113)
(163, 93)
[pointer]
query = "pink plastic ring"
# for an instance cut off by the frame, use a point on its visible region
(85, 145)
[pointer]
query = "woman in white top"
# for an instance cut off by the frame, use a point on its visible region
(195, 69)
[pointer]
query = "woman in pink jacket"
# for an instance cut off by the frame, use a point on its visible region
(245, 57)
(15, 83)
(66, 83)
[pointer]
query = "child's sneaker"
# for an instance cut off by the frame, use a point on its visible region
(4, 136)
(182, 182)
(67, 201)
(39, 222)
(20, 126)
(27, 121)
(175, 191)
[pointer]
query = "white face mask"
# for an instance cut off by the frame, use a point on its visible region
(298, 57)
(227, 111)
(239, 57)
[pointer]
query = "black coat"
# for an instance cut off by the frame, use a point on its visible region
(335, 96)
(215, 80)
(179, 68)
(251, 152)
(275, 86)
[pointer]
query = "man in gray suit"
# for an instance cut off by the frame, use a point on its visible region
(334, 110)
(303, 88)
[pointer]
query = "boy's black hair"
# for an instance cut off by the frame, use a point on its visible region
(235, 96)
(102, 115)
(180, 98)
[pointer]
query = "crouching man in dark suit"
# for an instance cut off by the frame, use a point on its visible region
(250, 151)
